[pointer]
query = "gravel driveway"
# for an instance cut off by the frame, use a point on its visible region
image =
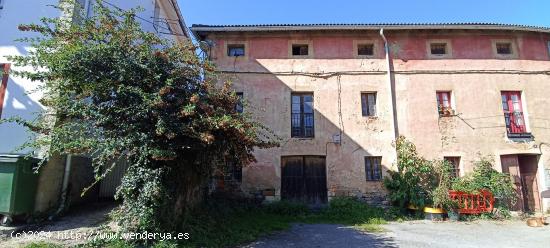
(413, 234)
(323, 235)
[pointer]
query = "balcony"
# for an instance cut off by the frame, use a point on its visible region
(515, 126)
(302, 125)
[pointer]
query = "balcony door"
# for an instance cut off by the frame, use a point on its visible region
(513, 112)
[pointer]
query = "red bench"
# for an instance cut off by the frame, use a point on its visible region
(483, 202)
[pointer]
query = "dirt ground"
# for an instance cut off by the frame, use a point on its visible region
(413, 234)
(69, 230)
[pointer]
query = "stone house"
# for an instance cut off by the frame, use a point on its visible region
(339, 94)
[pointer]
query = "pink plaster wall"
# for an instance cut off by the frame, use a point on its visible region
(477, 98)
(408, 46)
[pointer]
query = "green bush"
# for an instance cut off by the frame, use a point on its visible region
(414, 179)
(485, 177)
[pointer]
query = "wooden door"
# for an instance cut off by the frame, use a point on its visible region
(303, 179)
(292, 178)
(510, 165)
(530, 192)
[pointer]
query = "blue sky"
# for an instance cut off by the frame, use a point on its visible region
(526, 12)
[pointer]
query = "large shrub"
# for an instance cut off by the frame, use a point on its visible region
(414, 179)
(118, 92)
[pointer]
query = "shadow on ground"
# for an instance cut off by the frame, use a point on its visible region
(323, 235)
(79, 220)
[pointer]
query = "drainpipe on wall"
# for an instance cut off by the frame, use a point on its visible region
(64, 187)
(391, 83)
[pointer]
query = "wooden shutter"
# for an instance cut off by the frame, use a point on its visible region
(513, 111)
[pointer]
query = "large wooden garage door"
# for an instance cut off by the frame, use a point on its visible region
(304, 179)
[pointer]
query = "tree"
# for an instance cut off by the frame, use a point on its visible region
(116, 92)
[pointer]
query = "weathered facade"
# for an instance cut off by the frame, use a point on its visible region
(456, 91)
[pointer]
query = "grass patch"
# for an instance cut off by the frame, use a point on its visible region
(42, 245)
(372, 228)
(227, 223)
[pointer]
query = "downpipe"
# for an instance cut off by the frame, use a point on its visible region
(64, 187)
(391, 83)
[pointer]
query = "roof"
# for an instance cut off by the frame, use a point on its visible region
(200, 28)
(181, 22)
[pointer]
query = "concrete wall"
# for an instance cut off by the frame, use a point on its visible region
(469, 73)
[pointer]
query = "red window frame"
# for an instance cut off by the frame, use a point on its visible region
(513, 111)
(5, 68)
(444, 103)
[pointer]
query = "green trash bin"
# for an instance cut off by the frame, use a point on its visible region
(18, 183)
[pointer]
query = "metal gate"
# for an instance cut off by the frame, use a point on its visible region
(303, 179)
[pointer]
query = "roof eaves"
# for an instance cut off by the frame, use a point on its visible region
(392, 26)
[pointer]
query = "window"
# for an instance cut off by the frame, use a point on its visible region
(504, 48)
(368, 104)
(300, 49)
(373, 168)
(444, 103)
(438, 48)
(239, 108)
(233, 172)
(235, 50)
(455, 164)
(365, 49)
(302, 120)
(4, 76)
(513, 112)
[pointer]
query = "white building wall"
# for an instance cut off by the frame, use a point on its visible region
(19, 99)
